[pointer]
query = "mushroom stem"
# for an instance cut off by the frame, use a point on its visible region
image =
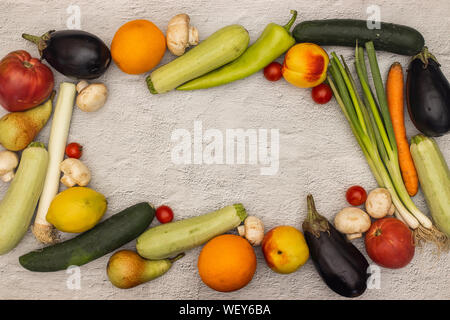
(353, 236)
(68, 181)
(81, 85)
(241, 230)
(8, 163)
(7, 177)
(193, 36)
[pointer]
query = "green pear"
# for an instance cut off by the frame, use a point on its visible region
(18, 129)
(126, 269)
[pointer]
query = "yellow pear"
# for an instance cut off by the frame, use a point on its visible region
(18, 129)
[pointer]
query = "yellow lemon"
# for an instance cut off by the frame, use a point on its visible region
(76, 209)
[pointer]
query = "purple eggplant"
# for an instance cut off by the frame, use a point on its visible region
(74, 53)
(340, 264)
(428, 95)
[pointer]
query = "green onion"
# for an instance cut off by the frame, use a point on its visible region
(369, 148)
(370, 121)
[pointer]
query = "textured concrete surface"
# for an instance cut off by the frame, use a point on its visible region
(128, 147)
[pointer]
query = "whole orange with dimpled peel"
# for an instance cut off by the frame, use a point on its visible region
(227, 263)
(138, 46)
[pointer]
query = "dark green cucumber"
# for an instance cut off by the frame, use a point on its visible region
(345, 32)
(104, 238)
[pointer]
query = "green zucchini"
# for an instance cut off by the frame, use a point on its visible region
(345, 32)
(434, 178)
(170, 239)
(18, 205)
(104, 238)
(223, 46)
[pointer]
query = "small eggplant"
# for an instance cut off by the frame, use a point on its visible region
(428, 95)
(340, 264)
(74, 53)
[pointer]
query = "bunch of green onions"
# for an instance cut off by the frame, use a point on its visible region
(370, 121)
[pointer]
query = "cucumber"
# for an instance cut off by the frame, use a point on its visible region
(170, 239)
(18, 205)
(223, 46)
(434, 178)
(104, 238)
(345, 32)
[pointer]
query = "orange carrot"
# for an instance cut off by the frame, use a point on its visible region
(394, 92)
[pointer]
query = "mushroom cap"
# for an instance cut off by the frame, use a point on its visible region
(180, 34)
(378, 203)
(177, 35)
(76, 170)
(254, 230)
(8, 161)
(352, 220)
(92, 97)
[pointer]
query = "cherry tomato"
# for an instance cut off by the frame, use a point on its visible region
(389, 243)
(273, 71)
(322, 93)
(74, 150)
(356, 195)
(164, 214)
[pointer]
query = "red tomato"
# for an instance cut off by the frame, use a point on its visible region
(390, 243)
(24, 81)
(273, 71)
(322, 93)
(356, 195)
(164, 214)
(74, 150)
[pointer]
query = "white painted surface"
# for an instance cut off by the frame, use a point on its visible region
(128, 146)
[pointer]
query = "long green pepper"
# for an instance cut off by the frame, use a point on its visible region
(273, 42)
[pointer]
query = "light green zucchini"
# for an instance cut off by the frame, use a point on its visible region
(223, 46)
(170, 239)
(434, 178)
(18, 205)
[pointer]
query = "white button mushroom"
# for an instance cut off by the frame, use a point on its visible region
(91, 97)
(180, 34)
(75, 173)
(252, 230)
(353, 222)
(378, 203)
(8, 162)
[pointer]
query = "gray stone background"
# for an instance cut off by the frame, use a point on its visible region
(128, 147)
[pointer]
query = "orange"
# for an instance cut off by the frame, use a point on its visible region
(227, 263)
(138, 46)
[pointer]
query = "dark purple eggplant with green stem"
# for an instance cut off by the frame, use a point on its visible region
(340, 264)
(428, 95)
(74, 53)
